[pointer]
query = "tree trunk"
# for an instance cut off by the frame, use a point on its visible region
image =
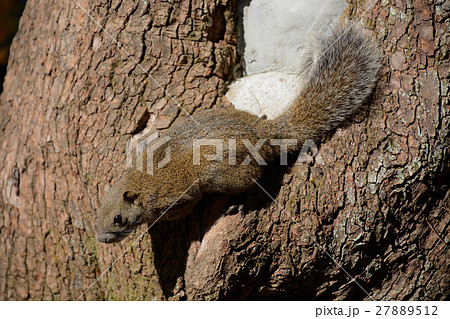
(372, 223)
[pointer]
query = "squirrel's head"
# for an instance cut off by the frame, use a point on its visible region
(121, 212)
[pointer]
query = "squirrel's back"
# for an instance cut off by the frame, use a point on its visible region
(339, 74)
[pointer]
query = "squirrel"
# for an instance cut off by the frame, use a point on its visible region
(340, 72)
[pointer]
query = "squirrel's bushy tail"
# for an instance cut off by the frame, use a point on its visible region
(340, 72)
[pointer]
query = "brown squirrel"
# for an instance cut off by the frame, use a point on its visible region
(340, 73)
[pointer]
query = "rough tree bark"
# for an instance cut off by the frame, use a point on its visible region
(72, 98)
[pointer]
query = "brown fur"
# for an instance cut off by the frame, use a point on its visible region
(341, 71)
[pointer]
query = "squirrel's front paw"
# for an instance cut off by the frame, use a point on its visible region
(235, 209)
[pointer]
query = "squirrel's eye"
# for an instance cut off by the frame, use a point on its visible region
(117, 219)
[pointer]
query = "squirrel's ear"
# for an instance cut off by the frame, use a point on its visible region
(129, 196)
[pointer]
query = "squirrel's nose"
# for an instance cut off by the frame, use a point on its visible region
(103, 238)
(110, 238)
